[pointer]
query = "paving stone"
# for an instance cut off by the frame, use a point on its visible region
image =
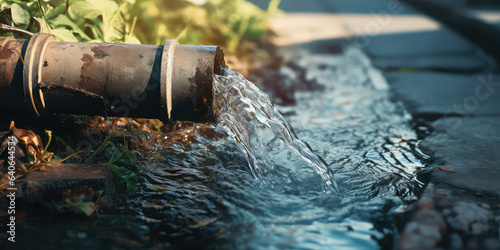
(438, 94)
(471, 146)
(425, 50)
(393, 34)
(426, 42)
(415, 42)
(457, 62)
(46, 186)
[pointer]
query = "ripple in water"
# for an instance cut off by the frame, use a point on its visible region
(202, 194)
(274, 152)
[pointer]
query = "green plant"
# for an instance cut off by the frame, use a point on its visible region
(82, 200)
(221, 22)
(121, 161)
(72, 20)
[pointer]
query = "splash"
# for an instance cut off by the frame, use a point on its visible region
(274, 153)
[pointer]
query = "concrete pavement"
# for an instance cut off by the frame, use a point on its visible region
(445, 81)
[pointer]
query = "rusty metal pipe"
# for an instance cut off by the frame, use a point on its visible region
(169, 82)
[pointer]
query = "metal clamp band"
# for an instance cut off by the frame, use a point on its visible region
(166, 72)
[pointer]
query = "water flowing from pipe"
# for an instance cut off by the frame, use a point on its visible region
(274, 152)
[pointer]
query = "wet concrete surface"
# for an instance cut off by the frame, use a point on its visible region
(470, 146)
(445, 94)
(426, 50)
(449, 84)
(459, 208)
(203, 195)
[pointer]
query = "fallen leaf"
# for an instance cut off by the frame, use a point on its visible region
(451, 170)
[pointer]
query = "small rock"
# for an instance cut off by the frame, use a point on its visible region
(497, 219)
(492, 243)
(470, 218)
(478, 227)
(425, 203)
(446, 212)
(76, 235)
(487, 206)
(456, 241)
(424, 231)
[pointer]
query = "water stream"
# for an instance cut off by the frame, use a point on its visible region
(270, 145)
(250, 183)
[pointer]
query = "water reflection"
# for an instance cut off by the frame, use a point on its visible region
(205, 195)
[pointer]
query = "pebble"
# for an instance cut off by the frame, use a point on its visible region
(470, 218)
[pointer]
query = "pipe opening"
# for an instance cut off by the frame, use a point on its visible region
(219, 63)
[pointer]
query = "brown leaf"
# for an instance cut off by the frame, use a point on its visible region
(104, 201)
(451, 170)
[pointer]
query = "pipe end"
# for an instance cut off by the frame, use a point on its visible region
(189, 81)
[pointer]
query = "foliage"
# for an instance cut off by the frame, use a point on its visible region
(222, 22)
(30, 155)
(121, 161)
(82, 200)
(71, 20)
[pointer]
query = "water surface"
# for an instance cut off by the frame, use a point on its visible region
(251, 183)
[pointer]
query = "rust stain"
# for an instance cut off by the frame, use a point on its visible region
(86, 58)
(8, 61)
(86, 75)
(6, 53)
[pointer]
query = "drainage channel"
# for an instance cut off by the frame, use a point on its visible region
(204, 195)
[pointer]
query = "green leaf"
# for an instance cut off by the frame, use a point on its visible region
(8, 33)
(55, 158)
(56, 3)
(96, 33)
(64, 35)
(101, 147)
(131, 157)
(91, 8)
(83, 9)
(63, 21)
(113, 25)
(133, 40)
(24, 168)
(19, 14)
(68, 201)
(55, 12)
(86, 208)
(4, 5)
(116, 171)
(45, 25)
